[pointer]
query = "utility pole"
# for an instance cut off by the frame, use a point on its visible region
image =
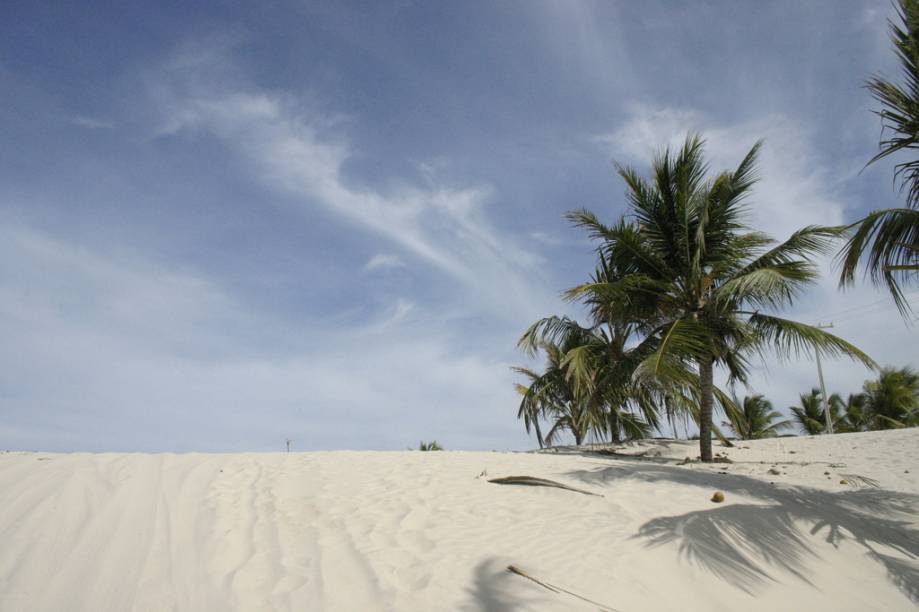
(826, 404)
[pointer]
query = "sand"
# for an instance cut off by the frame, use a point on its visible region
(425, 531)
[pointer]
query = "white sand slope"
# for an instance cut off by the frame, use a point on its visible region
(421, 531)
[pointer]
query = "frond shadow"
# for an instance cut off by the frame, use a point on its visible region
(741, 542)
(493, 589)
(902, 573)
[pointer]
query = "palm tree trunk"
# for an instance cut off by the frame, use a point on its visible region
(706, 375)
(614, 426)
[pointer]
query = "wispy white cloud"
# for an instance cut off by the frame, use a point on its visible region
(546, 239)
(301, 152)
(383, 261)
(92, 123)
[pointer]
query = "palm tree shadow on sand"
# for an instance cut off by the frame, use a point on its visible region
(739, 542)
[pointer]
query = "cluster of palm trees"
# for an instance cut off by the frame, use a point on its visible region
(891, 401)
(682, 286)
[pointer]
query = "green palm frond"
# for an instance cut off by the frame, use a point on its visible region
(889, 238)
(623, 291)
(680, 340)
(887, 241)
(753, 418)
(793, 338)
(773, 286)
(581, 364)
(899, 113)
(552, 331)
(855, 416)
(585, 219)
(892, 400)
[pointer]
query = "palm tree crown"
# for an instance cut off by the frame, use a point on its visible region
(754, 418)
(809, 415)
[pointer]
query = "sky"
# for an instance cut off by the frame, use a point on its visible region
(227, 224)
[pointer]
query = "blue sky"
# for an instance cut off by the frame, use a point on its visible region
(226, 224)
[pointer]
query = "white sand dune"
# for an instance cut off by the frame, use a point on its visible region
(421, 531)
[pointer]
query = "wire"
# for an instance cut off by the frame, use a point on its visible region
(869, 308)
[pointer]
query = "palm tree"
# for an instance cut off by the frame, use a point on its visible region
(599, 366)
(531, 408)
(892, 401)
(810, 415)
(755, 418)
(889, 238)
(430, 446)
(587, 378)
(698, 282)
(853, 411)
(553, 395)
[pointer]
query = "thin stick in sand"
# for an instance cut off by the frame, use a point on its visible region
(557, 589)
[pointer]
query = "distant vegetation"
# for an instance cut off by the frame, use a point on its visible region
(430, 446)
(891, 401)
(682, 285)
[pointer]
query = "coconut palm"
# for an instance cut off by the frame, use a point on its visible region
(581, 390)
(598, 365)
(699, 284)
(755, 418)
(810, 415)
(554, 395)
(888, 239)
(854, 415)
(594, 366)
(531, 409)
(892, 401)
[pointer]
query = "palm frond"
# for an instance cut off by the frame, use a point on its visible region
(890, 240)
(791, 337)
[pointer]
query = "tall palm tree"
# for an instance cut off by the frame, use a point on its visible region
(809, 414)
(755, 418)
(852, 414)
(889, 238)
(892, 401)
(700, 285)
